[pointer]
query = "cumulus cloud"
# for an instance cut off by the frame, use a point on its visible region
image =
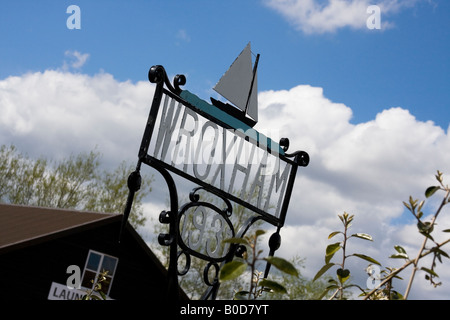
(366, 169)
(56, 113)
(375, 162)
(313, 16)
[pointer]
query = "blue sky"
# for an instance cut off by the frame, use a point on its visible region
(370, 106)
(405, 65)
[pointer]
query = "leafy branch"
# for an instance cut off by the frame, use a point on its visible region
(96, 293)
(258, 285)
(425, 228)
(383, 289)
(342, 274)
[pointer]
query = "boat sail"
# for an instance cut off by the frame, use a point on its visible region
(239, 86)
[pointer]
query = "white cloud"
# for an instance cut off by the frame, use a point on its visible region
(366, 169)
(376, 162)
(56, 113)
(76, 60)
(182, 37)
(313, 16)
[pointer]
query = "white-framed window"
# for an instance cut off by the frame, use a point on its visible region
(96, 263)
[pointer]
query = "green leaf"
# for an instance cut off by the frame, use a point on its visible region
(231, 270)
(399, 249)
(333, 234)
(332, 248)
(323, 270)
(367, 258)
(259, 232)
(425, 227)
(407, 206)
(430, 271)
(237, 241)
(439, 176)
(431, 190)
(332, 281)
(419, 209)
(282, 265)
(343, 274)
(241, 295)
(364, 236)
(275, 286)
(440, 252)
(399, 256)
(396, 295)
(102, 294)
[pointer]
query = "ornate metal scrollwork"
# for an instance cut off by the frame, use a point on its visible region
(301, 158)
(203, 226)
(187, 264)
(206, 274)
(157, 74)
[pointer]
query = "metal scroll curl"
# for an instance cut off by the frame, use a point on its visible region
(157, 74)
(202, 228)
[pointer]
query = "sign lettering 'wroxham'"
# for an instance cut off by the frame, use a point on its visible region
(232, 160)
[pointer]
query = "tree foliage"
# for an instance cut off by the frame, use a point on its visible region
(339, 284)
(75, 182)
(380, 284)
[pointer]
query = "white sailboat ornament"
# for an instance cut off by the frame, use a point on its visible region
(239, 86)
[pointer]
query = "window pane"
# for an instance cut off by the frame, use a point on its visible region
(109, 264)
(94, 261)
(88, 276)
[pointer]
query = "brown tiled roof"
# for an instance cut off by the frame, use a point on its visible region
(22, 225)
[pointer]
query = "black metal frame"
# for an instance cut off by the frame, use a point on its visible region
(173, 239)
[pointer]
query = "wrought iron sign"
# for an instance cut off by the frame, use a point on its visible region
(217, 148)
